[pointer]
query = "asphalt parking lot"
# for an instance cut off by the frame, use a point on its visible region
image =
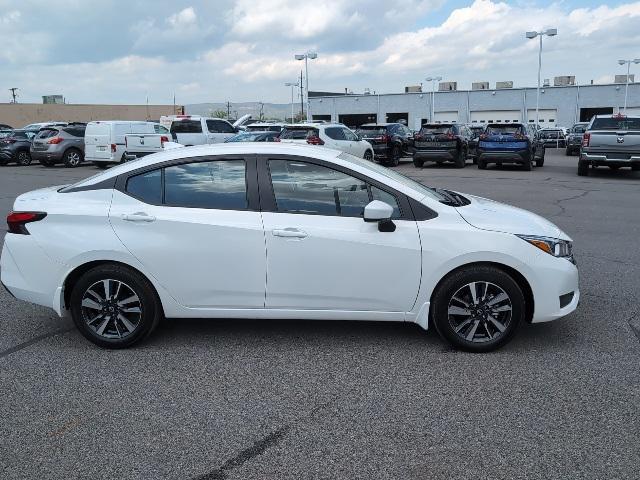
(230, 399)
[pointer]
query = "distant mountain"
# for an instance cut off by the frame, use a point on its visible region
(271, 111)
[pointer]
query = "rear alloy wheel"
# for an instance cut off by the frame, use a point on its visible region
(478, 309)
(583, 168)
(114, 306)
(368, 155)
(418, 163)
(72, 158)
(23, 158)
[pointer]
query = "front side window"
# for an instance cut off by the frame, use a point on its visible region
(308, 188)
(218, 184)
(219, 126)
(335, 133)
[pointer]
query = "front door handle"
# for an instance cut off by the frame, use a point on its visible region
(289, 233)
(138, 217)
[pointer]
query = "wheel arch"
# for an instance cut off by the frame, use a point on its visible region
(74, 275)
(77, 149)
(522, 282)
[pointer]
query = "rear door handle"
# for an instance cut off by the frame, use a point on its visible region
(289, 233)
(138, 217)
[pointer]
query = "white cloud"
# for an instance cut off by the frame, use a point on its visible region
(184, 18)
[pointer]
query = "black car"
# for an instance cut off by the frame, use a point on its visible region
(441, 142)
(4, 126)
(390, 141)
(574, 140)
(476, 131)
(509, 143)
(15, 147)
(552, 137)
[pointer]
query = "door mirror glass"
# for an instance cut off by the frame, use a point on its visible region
(377, 211)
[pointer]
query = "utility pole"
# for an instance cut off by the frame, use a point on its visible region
(229, 110)
(261, 111)
(13, 94)
(301, 98)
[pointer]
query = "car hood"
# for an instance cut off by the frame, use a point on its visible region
(486, 214)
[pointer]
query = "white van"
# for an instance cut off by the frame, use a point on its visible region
(104, 142)
(191, 130)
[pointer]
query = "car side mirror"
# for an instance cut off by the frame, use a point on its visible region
(381, 212)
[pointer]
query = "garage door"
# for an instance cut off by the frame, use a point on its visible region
(635, 111)
(446, 117)
(548, 116)
(496, 116)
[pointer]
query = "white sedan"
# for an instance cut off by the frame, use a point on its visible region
(282, 231)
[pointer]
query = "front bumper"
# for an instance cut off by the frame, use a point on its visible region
(515, 156)
(436, 154)
(552, 281)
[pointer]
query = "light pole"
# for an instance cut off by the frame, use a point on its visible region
(306, 57)
(550, 32)
(433, 81)
(626, 88)
(292, 85)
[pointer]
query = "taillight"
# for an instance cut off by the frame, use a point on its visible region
(418, 136)
(163, 139)
(483, 136)
(54, 140)
(18, 220)
(113, 148)
(519, 136)
(450, 136)
(276, 139)
(9, 140)
(315, 141)
(585, 139)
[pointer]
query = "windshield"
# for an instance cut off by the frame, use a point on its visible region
(616, 123)
(246, 137)
(435, 129)
(579, 128)
(394, 175)
(504, 129)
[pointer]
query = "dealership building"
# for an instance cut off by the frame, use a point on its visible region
(562, 104)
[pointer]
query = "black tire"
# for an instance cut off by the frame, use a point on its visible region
(90, 288)
(23, 158)
(461, 159)
(527, 166)
(568, 152)
(3, 162)
(488, 335)
(635, 168)
(72, 158)
(539, 162)
(418, 163)
(482, 164)
(396, 153)
(368, 155)
(583, 168)
(102, 165)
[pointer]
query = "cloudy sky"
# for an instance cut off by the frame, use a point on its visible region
(208, 51)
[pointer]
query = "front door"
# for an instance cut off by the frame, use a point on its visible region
(191, 227)
(322, 255)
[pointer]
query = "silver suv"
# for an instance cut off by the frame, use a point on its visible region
(59, 145)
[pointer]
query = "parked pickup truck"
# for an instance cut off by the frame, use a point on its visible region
(611, 140)
(141, 144)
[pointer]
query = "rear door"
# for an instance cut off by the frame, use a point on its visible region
(195, 225)
(337, 139)
(97, 141)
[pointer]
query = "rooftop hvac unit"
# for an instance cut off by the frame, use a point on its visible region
(413, 89)
(503, 85)
(447, 86)
(480, 86)
(546, 83)
(564, 80)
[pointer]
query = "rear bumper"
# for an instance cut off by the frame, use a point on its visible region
(51, 156)
(610, 158)
(381, 151)
(515, 156)
(435, 154)
(6, 154)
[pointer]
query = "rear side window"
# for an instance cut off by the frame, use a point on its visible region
(75, 131)
(186, 126)
(298, 133)
(146, 187)
(219, 126)
(335, 133)
(219, 184)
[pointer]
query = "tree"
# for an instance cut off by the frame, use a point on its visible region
(220, 114)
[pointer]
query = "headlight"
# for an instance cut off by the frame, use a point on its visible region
(553, 246)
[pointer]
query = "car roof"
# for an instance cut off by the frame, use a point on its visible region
(381, 124)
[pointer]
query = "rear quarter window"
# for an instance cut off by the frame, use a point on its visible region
(186, 126)
(75, 131)
(298, 133)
